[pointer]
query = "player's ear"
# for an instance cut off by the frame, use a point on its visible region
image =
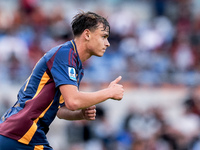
(86, 33)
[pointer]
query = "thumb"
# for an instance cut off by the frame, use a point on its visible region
(117, 79)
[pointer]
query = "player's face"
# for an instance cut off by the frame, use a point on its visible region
(98, 42)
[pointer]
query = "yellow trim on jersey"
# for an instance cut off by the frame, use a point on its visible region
(30, 76)
(42, 114)
(43, 81)
(29, 134)
(27, 82)
(39, 147)
(73, 46)
(61, 100)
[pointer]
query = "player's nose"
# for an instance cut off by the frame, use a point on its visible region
(107, 43)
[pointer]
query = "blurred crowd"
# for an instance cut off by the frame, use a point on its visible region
(156, 45)
(150, 129)
(26, 33)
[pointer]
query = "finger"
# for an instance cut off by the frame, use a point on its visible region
(93, 111)
(92, 118)
(91, 107)
(91, 115)
(117, 79)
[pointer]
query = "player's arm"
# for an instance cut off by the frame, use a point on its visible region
(87, 114)
(75, 99)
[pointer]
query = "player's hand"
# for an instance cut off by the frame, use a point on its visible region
(116, 89)
(89, 113)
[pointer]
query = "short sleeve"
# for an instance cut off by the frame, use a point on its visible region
(64, 67)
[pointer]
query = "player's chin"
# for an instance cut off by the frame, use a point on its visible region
(100, 54)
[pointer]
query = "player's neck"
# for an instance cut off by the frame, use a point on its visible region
(82, 49)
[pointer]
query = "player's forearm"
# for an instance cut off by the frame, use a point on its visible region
(87, 99)
(64, 113)
(82, 100)
(74, 99)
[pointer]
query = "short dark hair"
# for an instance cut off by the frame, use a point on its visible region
(88, 20)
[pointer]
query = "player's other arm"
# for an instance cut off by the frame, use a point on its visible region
(87, 114)
(75, 99)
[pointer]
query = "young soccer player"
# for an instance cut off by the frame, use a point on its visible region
(52, 88)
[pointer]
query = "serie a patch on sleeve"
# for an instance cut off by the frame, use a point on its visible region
(72, 73)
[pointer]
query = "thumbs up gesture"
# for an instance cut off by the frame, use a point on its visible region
(116, 90)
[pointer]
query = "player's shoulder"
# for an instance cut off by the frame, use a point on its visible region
(62, 48)
(66, 47)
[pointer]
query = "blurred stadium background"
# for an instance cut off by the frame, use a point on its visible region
(155, 46)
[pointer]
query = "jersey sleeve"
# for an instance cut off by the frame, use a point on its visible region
(64, 67)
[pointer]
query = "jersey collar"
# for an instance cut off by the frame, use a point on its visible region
(74, 45)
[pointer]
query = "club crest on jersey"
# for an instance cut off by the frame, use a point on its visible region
(72, 73)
